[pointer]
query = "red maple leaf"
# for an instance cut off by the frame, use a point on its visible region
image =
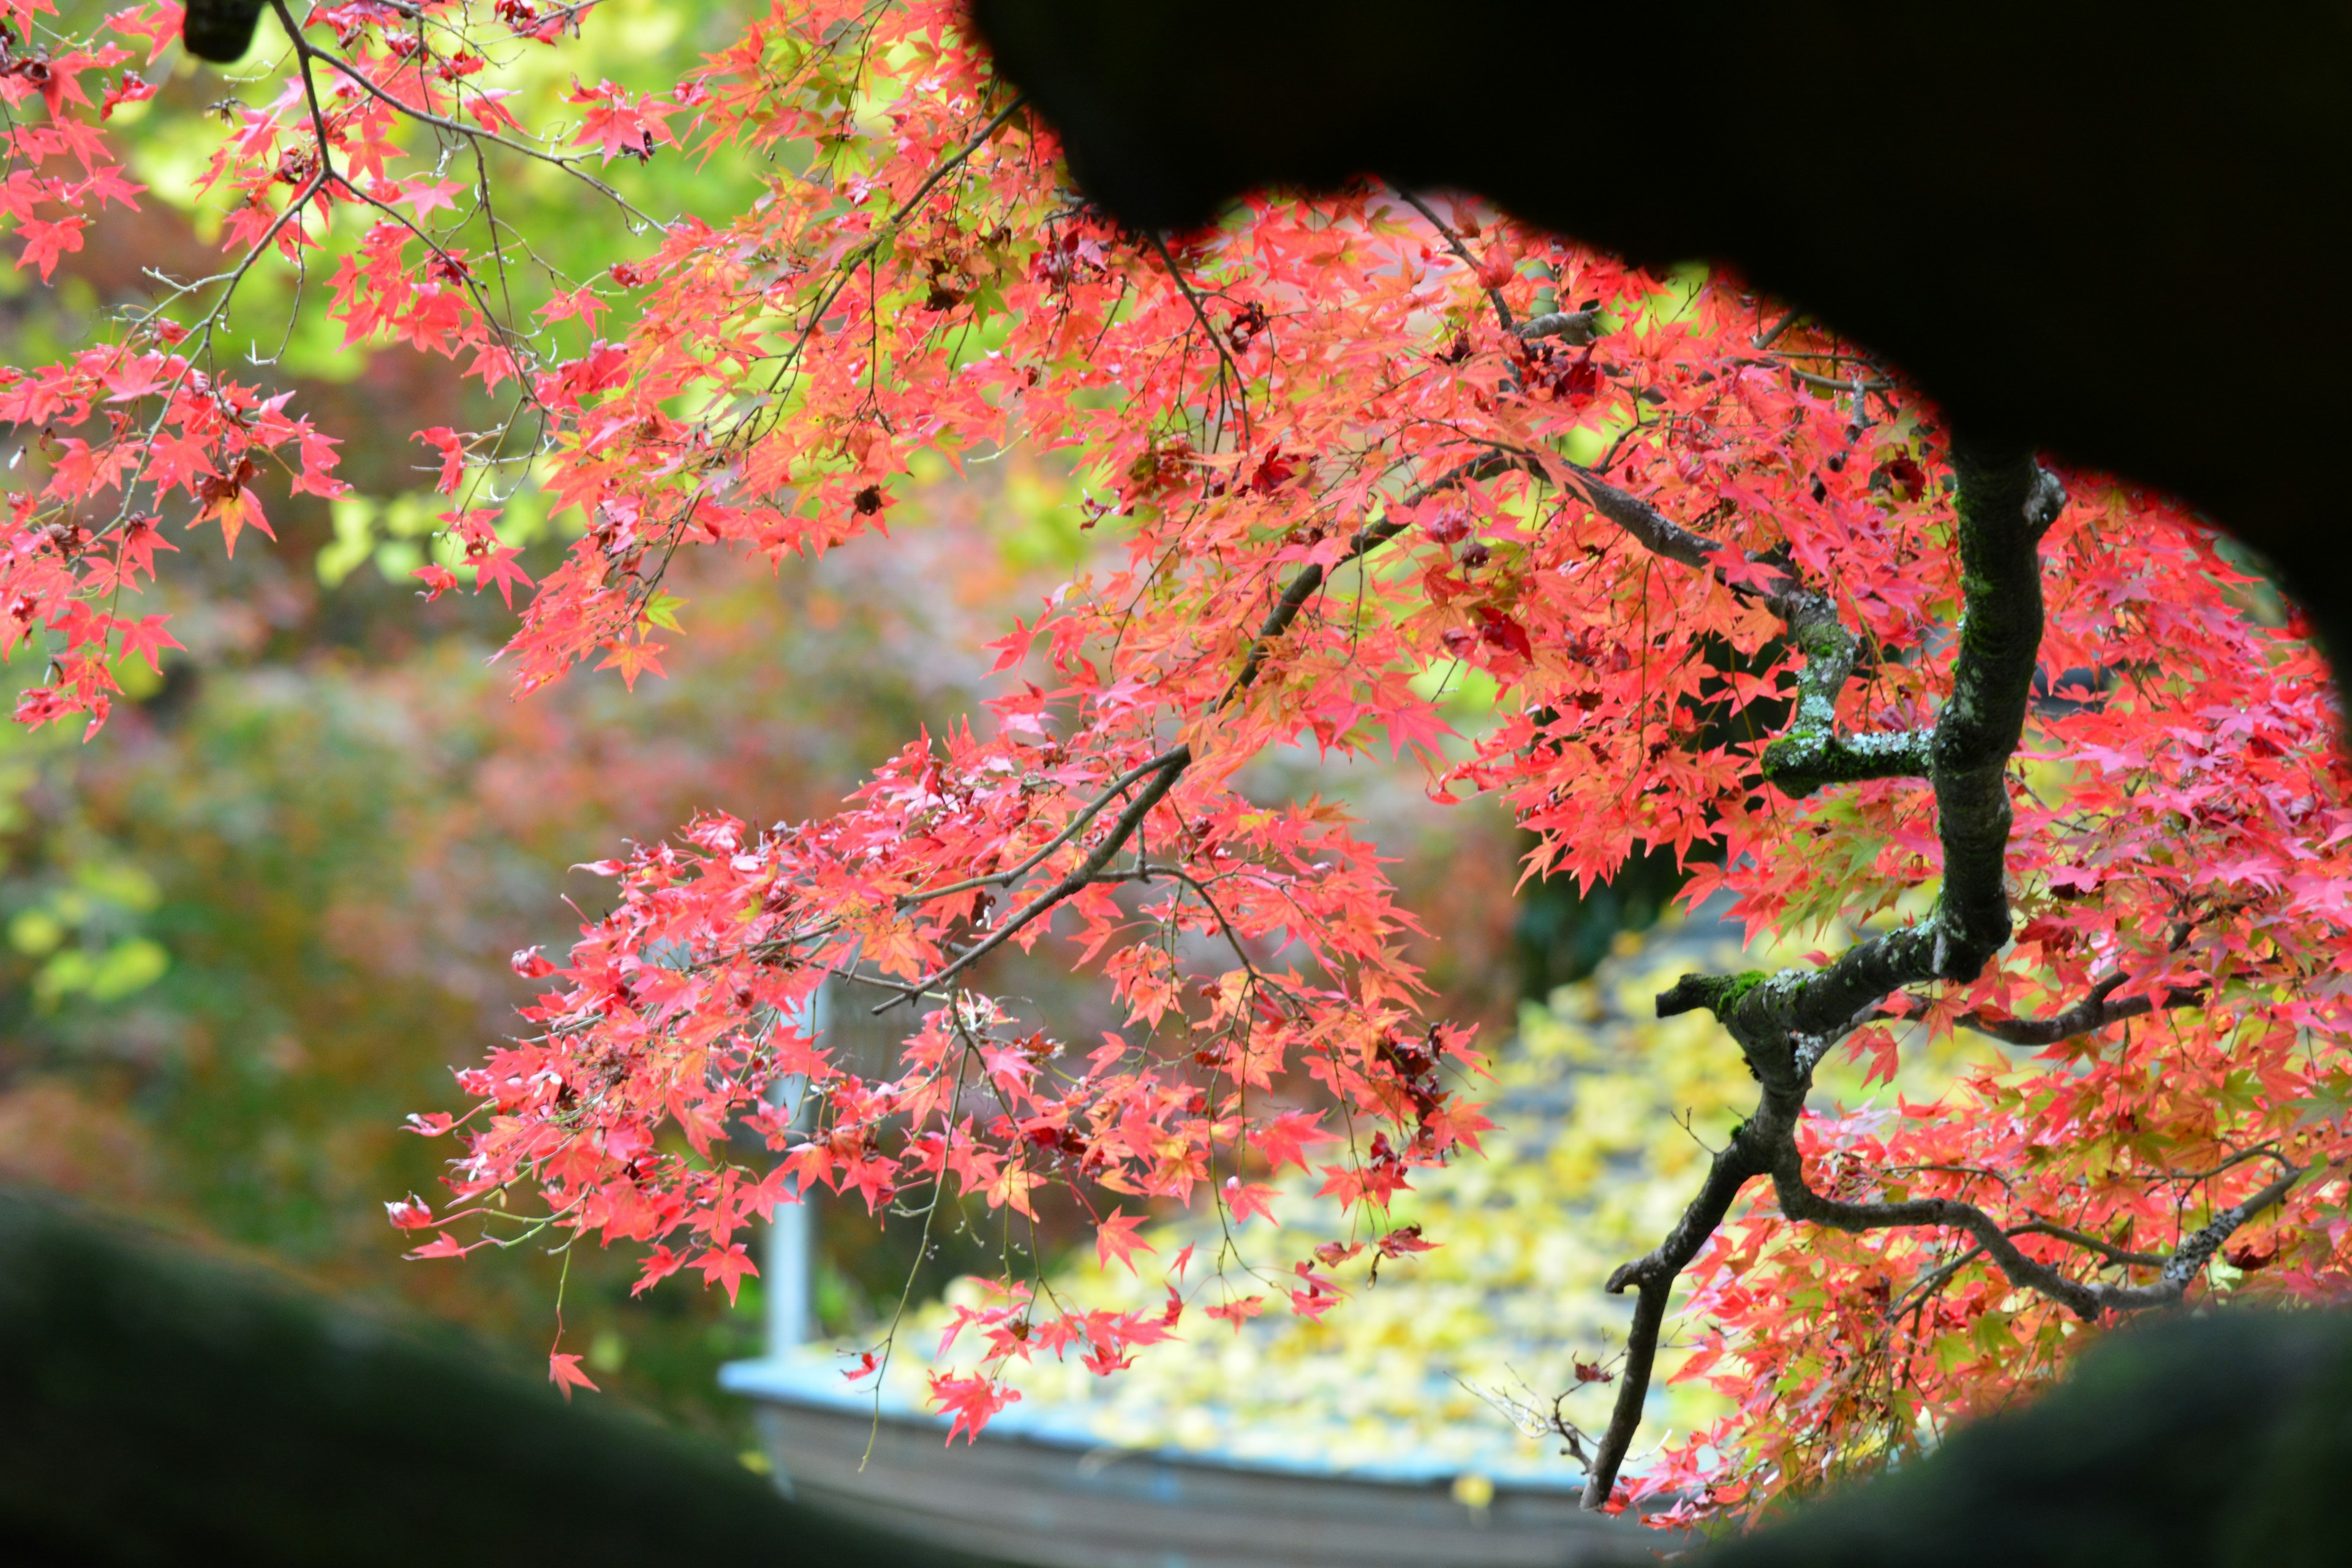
(452, 447)
(1402, 1240)
(147, 638)
(726, 1266)
(1248, 1201)
(498, 566)
(1281, 1140)
(972, 1400)
(411, 1213)
(564, 1370)
(46, 239)
(1115, 1237)
(1238, 1310)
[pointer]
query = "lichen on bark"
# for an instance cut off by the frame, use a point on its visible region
(1785, 1022)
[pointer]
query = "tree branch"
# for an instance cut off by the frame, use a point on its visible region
(1365, 540)
(2087, 1016)
(1652, 1277)
(1070, 830)
(1785, 1023)
(1831, 383)
(1653, 530)
(1454, 242)
(1813, 753)
(1800, 765)
(1164, 769)
(1209, 329)
(1932, 1282)
(567, 162)
(2119, 1255)
(2087, 1301)
(1577, 329)
(1771, 335)
(846, 269)
(1169, 765)
(2005, 505)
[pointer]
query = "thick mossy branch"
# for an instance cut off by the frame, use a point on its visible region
(1716, 993)
(1653, 530)
(1812, 753)
(1784, 1023)
(2006, 504)
(1651, 1279)
(2005, 507)
(1829, 652)
(1799, 764)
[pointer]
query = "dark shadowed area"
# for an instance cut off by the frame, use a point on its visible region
(158, 1405)
(2045, 214)
(2219, 1440)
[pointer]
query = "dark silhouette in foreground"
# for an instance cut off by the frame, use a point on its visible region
(2110, 230)
(2217, 1442)
(2100, 228)
(160, 1406)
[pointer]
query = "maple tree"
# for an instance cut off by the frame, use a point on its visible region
(2014, 740)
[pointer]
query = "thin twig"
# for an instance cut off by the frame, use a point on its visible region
(1077, 878)
(1766, 339)
(1209, 329)
(1453, 241)
(1071, 830)
(847, 267)
(569, 163)
(1163, 770)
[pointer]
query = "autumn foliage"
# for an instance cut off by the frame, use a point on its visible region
(1345, 455)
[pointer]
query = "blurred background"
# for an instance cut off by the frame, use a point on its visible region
(258, 919)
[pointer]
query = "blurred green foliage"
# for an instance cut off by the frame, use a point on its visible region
(253, 925)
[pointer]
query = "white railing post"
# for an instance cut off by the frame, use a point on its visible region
(790, 1259)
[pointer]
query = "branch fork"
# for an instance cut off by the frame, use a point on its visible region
(1785, 1023)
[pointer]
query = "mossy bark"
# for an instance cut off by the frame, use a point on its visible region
(1785, 1022)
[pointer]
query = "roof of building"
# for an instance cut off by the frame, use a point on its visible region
(1409, 1379)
